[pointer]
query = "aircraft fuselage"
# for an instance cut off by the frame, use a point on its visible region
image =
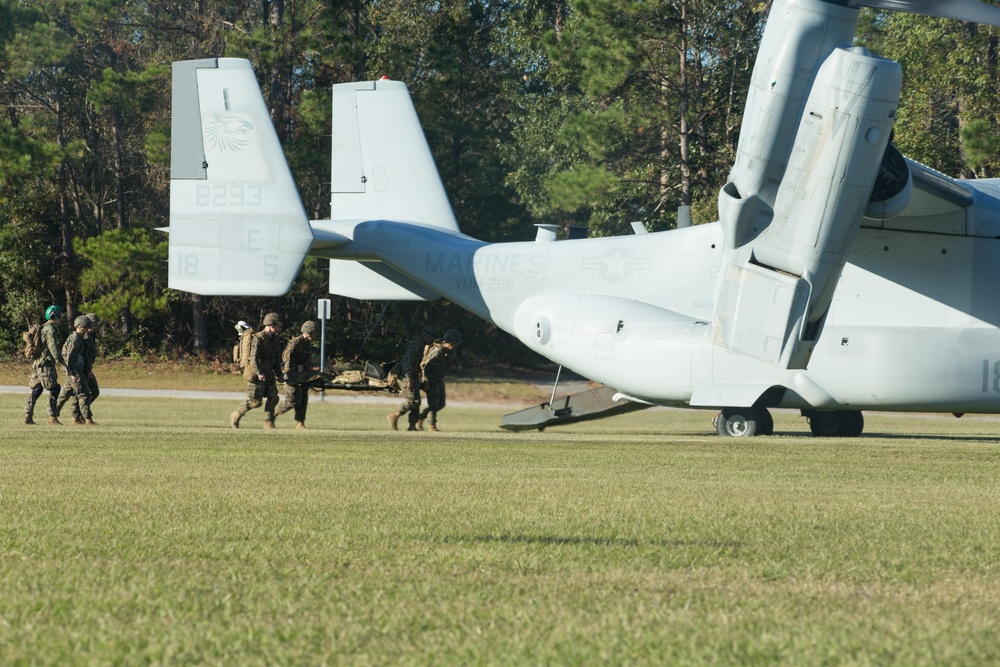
(912, 326)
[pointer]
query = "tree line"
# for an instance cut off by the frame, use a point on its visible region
(579, 113)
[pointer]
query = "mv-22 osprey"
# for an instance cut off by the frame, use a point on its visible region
(840, 277)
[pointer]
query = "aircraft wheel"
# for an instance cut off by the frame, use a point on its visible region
(836, 424)
(767, 422)
(857, 423)
(742, 422)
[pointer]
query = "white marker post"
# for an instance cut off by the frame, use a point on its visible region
(323, 313)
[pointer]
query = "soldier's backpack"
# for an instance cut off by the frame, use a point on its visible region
(32, 341)
(241, 351)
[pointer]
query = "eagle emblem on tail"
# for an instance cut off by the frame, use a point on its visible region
(228, 133)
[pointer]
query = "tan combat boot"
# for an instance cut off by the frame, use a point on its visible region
(28, 420)
(54, 421)
(419, 425)
(90, 422)
(393, 421)
(300, 426)
(268, 425)
(433, 428)
(77, 421)
(234, 419)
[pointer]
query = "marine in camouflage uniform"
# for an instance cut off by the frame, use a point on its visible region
(89, 357)
(296, 360)
(407, 369)
(440, 358)
(77, 389)
(43, 370)
(261, 373)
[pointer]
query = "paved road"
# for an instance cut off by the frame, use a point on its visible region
(335, 396)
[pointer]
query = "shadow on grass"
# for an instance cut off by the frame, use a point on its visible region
(553, 540)
(944, 439)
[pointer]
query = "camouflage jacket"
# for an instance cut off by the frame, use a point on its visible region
(437, 362)
(298, 352)
(408, 365)
(89, 351)
(73, 353)
(265, 353)
(51, 354)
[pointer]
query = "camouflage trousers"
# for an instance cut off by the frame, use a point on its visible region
(435, 401)
(78, 395)
(294, 396)
(95, 391)
(411, 399)
(43, 378)
(260, 393)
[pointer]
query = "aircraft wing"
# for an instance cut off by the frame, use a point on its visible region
(935, 203)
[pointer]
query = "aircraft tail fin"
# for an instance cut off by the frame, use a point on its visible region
(237, 225)
(382, 167)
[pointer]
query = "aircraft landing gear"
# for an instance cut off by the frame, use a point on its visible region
(744, 422)
(835, 424)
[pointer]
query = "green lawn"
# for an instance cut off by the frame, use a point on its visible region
(161, 536)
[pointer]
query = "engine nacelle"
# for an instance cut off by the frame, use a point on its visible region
(774, 299)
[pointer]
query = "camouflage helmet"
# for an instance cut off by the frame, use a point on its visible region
(271, 319)
(452, 336)
(309, 328)
(94, 318)
(53, 311)
(83, 322)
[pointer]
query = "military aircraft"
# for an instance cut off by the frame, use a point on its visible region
(840, 276)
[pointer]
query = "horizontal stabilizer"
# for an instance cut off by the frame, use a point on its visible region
(374, 281)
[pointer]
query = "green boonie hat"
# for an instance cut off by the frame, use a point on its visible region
(452, 336)
(271, 319)
(83, 321)
(309, 327)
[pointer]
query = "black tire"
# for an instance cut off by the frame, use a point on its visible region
(766, 422)
(836, 424)
(857, 424)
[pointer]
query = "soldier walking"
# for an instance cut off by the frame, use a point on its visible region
(44, 376)
(89, 357)
(261, 373)
(407, 369)
(296, 360)
(78, 389)
(440, 358)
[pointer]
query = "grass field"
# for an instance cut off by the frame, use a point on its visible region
(163, 537)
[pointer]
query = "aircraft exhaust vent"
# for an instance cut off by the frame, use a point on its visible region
(577, 232)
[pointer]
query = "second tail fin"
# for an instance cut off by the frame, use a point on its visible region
(382, 167)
